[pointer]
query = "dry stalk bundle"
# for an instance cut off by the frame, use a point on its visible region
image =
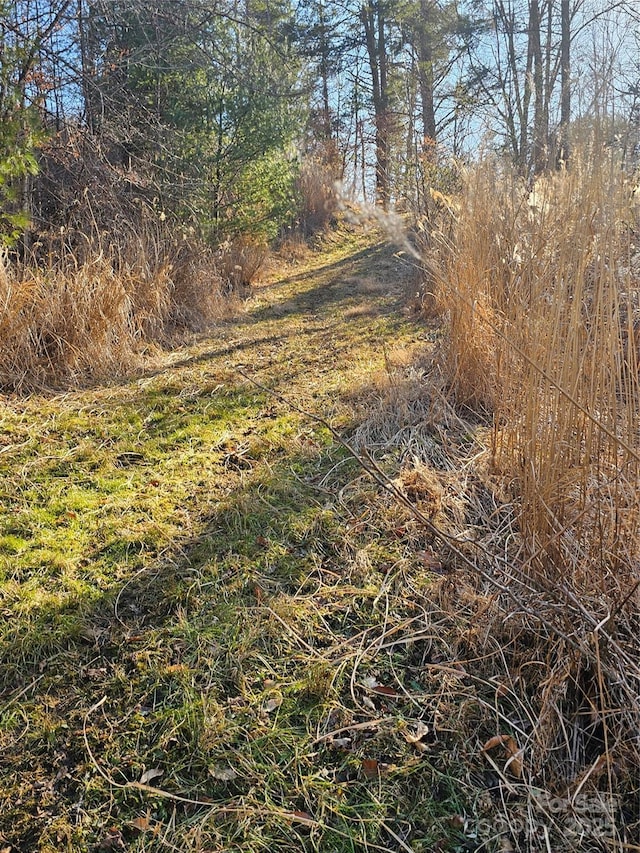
(541, 302)
(540, 289)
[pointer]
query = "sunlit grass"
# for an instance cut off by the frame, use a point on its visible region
(190, 599)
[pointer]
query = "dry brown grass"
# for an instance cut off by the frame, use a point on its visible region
(293, 247)
(239, 260)
(542, 668)
(542, 304)
(65, 321)
(536, 500)
(201, 294)
(61, 326)
(105, 271)
(316, 189)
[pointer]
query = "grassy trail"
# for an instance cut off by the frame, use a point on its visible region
(196, 588)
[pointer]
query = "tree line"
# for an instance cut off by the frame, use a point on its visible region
(204, 110)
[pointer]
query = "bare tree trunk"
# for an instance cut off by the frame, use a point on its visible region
(324, 74)
(565, 82)
(409, 185)
(539, 135)
(516, 100)
(372, 17)
(425, 72)
(524, 114)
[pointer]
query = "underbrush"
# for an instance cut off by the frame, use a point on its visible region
(543, 675)
(541, 289)
(316, 189)
(105, 270)
(64, 320)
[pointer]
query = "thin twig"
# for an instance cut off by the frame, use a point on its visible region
(368, 724)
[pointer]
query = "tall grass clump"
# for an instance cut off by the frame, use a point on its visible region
(65, 319)
(56, 325)
(541, 287)
(239, 260)
(104, 270)
(316, 193)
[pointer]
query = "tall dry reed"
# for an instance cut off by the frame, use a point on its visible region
(541, 285)
(316, 191)
(64, 320)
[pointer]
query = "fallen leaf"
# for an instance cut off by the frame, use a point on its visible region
(370, 768)
(223, 774)
(142, 824)
(386, 691)
(303, 817)
(432, 563)
(272, 704)
(514, 754)
(515, 761)
(415, 737)
(496, 740)
(148, 775)
(94, 633)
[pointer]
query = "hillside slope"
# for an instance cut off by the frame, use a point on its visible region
(192, 574)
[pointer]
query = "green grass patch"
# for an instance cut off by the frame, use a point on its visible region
(196, 585)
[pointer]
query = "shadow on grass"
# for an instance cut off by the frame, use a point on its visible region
(175, 635)
(354, 263)
(261, 510)
(331, 284)
(138, 583)
(330, 289)
(190, 611)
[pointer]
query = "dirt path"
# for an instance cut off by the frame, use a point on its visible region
(188, 570)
